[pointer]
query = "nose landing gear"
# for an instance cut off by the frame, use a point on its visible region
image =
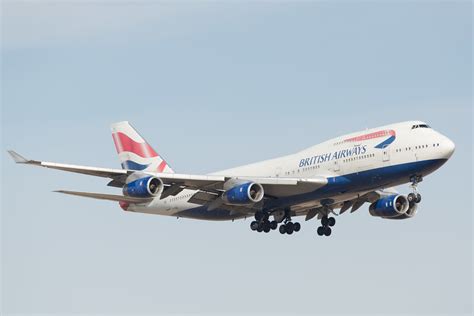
(414, 197)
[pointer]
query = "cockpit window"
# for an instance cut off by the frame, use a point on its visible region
(420, 126)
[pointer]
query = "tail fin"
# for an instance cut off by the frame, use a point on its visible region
(134, 152)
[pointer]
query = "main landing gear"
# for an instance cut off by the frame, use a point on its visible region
(288, 227)
(263, 224)
(326, 224)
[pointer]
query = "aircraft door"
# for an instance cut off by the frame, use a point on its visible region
(385, 154)
(278, 172)
(336, 166)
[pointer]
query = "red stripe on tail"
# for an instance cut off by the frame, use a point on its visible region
(124, 143)
(162, 166)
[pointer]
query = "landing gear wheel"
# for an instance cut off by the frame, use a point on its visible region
(260, 228)
(282, 229)
(266, 228)
(411, 198)
(289, 228)
(296, 227)
(418, 198)
(331, 221)
(254, 225)
(324, 221)
(327, 231)
(320, 230)
(274, 225)
(259, 216)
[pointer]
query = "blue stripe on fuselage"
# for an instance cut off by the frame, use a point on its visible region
(354, 182)
(386, 142)
(367, 180)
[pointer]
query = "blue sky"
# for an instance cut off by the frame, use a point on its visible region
(214, 85)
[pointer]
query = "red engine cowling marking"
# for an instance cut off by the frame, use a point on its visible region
(124, 205)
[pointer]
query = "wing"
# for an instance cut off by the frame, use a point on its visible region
(352, 204)
(175, 182)
(92, 171)
(108, 197)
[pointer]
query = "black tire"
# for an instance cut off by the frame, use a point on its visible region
(331, 221)
(320, 230)
(267, 224)
(274, 225)
(260, 228)
(266, 228)
(327, 231)
(254, 225)
(324, 221)
(282, 229)
(418, 198)
(289, 228)
(296, 227)
(259, 216)
(411, 197)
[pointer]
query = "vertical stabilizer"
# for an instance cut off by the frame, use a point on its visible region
(134, 152)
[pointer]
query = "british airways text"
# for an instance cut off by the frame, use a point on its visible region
(355, 151)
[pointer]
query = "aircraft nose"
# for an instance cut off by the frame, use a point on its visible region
(448, 147)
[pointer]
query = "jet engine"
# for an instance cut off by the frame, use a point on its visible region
(409, 214)
(391, 206)
(246, 193)
(144, 187)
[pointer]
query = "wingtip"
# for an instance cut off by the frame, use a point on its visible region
(17, 157)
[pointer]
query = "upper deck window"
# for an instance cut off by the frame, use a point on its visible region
(420, 126)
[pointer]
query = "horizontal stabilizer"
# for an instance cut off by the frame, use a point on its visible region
(109, 197)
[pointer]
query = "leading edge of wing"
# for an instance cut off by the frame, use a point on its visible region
(93, 171)
(108, 197)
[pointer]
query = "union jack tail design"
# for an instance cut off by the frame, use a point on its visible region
(134, 152)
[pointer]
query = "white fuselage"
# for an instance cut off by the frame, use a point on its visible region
(350, 155)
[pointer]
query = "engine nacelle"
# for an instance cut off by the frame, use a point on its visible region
(144, 187)
(409, 214)
(246, 193)
(389, 206)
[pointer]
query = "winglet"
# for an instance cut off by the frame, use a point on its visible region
(17, 157)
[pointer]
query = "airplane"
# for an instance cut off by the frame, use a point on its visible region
(322, 181)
